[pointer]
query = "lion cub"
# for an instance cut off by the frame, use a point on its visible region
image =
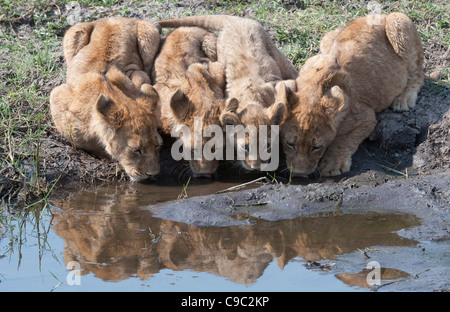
(190, 84)
(253, 66)
(106, 107)
(373, 63)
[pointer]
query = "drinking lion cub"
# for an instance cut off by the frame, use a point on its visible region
(190, 83)
(253, 67)
(373, 63)
(107, 106)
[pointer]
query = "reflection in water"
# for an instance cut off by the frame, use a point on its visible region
(106, 232)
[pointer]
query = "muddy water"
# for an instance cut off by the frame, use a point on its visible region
(105, 235)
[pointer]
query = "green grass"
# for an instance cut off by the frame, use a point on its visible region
(24, 117)
(183, 193)
(31, 62)
(16, 225)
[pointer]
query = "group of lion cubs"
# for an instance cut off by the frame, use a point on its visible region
(125, 83)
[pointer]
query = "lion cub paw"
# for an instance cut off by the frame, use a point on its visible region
(329, 166)
(404, 101)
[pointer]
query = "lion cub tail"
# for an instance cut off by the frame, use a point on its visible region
(213, 22)
(402, 34)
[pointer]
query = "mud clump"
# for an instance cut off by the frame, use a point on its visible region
(419, 136)
(434, 152)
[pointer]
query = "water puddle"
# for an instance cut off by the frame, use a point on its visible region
(98, 235)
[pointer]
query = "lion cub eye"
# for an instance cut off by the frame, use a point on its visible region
(290, 145)
(316, 148)
(136, 151)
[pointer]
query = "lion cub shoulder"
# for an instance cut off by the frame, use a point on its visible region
(126, 43)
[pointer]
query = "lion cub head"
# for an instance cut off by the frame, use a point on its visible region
(251, 115)
(314, 114)
(108, 113)
(197, 104)
(133, 138)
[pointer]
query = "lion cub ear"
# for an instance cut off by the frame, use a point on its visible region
(75, 38)
(339, 107)
(109, 110)
(217, 71)
(180, 105)
(285, 93)
(228, 116)
(121, 81)
(232, 105)
(281, 93)
(276, 113)
(150, 94)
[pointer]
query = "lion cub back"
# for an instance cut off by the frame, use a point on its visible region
(372, 47)
(126, 43)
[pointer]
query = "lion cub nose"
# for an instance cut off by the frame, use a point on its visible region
(253, 165)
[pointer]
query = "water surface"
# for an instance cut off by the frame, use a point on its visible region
(114, 244)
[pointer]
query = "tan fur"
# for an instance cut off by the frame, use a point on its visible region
(253, 66)
(373, 63)
(190, 84)
(127, 43)
(100, 109)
